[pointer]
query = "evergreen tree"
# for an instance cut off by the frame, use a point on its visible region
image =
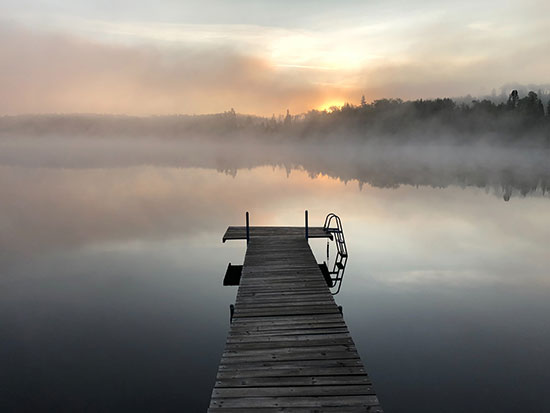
(513, 100)
(531, 105)
(288, 118)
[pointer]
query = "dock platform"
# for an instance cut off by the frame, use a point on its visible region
(288, 348)
(236, 233)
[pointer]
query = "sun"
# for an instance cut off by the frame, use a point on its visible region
(328, 105)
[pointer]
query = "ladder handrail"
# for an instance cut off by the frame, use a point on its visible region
(342, 251)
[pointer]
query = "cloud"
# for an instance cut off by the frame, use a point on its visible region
(109, 66)
(44, 73)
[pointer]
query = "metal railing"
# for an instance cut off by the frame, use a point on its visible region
(337, 232)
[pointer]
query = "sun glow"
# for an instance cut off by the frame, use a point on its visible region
(330, 105)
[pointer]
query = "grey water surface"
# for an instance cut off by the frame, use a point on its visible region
(111, 295)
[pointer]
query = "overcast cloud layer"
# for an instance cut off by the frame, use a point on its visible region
(261, 58)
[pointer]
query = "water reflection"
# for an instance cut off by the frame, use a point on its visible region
(110, 277)
(505, 171)
(112, 330)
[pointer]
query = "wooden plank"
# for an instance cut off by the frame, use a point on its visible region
(325, 409)
(286, 320)
(315, 367)
(293, 381)
(294, 372)
(274, 364)
(285, 301)
(255, 324)
(288, 339)
(280, 391)
(294, 325)
(319, 401)
(287, 343)
(247, 335)
(306, 352)
(270, 355)
(289, 307)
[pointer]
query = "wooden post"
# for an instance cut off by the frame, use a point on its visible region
(247, 228)
(307, 226)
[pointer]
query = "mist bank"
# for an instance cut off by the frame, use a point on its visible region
(518, 121)
(505, 171)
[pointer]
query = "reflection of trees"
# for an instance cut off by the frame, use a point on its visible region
(504, 179)
(506, 171)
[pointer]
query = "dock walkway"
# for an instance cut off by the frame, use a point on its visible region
(288, 348)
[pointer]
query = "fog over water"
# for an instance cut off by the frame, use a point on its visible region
(111, 266)
(503, 170)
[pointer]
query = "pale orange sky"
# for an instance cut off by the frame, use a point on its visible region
(205, 57)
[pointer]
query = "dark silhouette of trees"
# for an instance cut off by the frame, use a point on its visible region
(513, 100)
(518, 120)
(288, 118)
(531, 105)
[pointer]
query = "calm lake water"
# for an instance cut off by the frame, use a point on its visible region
(111, 295)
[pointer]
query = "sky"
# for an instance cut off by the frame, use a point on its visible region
(261, 57)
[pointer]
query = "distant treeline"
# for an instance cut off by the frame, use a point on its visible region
(518, 120)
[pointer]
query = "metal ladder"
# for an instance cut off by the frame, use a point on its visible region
(337, 232)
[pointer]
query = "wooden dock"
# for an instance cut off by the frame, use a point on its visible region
(288, 348)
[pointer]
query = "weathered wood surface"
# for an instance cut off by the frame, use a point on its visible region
(288, 348)
(235, 233)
